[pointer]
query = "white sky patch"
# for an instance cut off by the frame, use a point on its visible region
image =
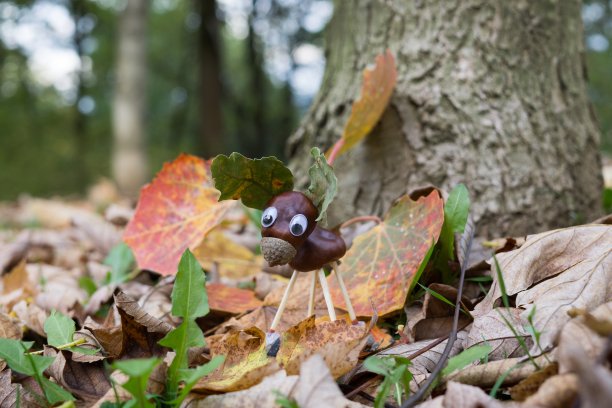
(44, 33)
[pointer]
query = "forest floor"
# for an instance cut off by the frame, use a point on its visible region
(535, 328)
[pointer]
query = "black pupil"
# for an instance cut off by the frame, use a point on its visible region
(267, 219)
(297, 229)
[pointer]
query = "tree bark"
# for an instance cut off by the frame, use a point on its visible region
(489, 93)
(129, 161)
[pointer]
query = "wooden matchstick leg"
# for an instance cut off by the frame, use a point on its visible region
(347, 299)
(311, 297)
(283, 303)
(327, 295)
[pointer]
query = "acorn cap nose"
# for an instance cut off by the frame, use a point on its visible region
(277, 251)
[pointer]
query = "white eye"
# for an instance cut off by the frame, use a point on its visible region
(269, 216)
(298, 224)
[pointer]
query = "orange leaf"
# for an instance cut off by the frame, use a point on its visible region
(338, 342)
(227, 299)
(382, 263)
(376, 91)
(174, 213)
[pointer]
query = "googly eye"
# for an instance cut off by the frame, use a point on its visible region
(268, 217)
(298, 225)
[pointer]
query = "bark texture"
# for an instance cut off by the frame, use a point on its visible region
(490, 93)
(129, 160)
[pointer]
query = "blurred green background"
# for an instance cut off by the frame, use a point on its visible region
(57, 73)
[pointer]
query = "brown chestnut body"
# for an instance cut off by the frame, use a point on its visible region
(290, 234)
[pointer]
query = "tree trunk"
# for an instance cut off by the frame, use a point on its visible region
(489, 93)
(130, 169)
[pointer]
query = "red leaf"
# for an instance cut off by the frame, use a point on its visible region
(174, 213)
(224, 298)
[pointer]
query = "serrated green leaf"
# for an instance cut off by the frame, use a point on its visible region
(456, 210)
(254, 181)
(323, 183)
(121, 261)
(59, 328)
(189, 298)
(139, 370)
(190, 376)
(12, 351)
(466, 357)
(54, 393)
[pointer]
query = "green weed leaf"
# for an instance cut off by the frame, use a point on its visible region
(189, 299)
(121, 260)
(456, 210)
(190, 376)
(323, 183)
(466, 357)
(139, 370)
(54, 393)
(254, 181)
(59, 328)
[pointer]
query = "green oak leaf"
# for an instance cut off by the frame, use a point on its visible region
(323, 183)
(254, 181)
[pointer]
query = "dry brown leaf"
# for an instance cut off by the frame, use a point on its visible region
(530, 385)
(425, 362)
(11, 254)
(556, 392)
(485, 375)
(555, 271)
(313, 388)
(50, 213)
(595, 381)
(434, 307)
(9, 393)
(246, 362)
(32, 316)
(140, 331)
(87, 381)
(231, 260)
(576, 332)
(491, 329)
(109, 333)
(102, 234)
(16, 286)
(339, 342)
(60, 290)
(462, 396)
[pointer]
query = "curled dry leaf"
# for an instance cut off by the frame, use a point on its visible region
(246, 362)
(174, 212)
(530, 385)
(485, 375)
(557, 391)
(222, 298)
(313, 388)
(140, 331)
(88, 381)
(493, 330)
(462, 396)
(576, 332)
(32, 316)
(232, 260)
(16, 286)
(338, 342)
(555, 271)
(61, 290)
(382, 263)
(595, 381)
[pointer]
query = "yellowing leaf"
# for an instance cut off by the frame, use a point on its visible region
(382, 263)
(227, 299)
(376, 91)
(232, 260)
(246, 362)
(174, 213)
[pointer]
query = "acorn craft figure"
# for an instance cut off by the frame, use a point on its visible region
(289, 222)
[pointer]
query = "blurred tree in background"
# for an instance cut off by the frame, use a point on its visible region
(222, 75)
